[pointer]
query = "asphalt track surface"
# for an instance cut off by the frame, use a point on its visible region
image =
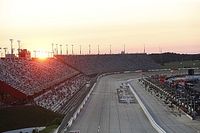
(104, 114)
(162, 115)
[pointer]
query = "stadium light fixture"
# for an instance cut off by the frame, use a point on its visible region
(98, 50)
(11, 45)
(124, 48)
(0, 52)
(110, 49)
(52, 46)
(80, 49)
(60, 49)
(66, 49)
(56, 49)
(34, 53)
(5, 50)
(18, 41)
(89, 49)
(72, 49)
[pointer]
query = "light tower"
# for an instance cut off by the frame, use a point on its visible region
(18, 41)
(144, 49)
(11, 45)
(110, 49)
(89, 49)
(124, 48)
(5, 50)
(67, 49)
(0, 52)
(98, 50)
(35, 53)
(56, 49)
(72, 49)
(61, 49)
(80, 49)
(52, 49)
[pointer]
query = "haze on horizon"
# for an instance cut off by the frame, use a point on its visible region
(170, 25)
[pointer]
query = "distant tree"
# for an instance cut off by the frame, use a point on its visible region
(173, 57)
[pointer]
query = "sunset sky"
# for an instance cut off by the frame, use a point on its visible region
(170, 25)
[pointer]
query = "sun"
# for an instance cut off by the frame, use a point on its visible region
(42, 55)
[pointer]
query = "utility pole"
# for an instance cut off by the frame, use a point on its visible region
(11, 45)
(144, 49)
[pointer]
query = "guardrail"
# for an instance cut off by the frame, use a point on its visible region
(69, 123)
(150, 118)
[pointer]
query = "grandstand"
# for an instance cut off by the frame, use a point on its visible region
(55, 98)
(29, 78)
(51, 83)
(95, 64)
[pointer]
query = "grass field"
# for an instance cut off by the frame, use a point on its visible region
(185, 64)
(27, 116)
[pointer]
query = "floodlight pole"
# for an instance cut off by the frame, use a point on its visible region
(61, 49)
(5, 50)
(80, 49)
(52, 46)
(89, 49)
(56, 49)
(72, 49)
(0, 53)
(11, 45)
(110, 49)
(18, 41)
(34, 53)
(98, 50)
(124, 48)
(67, 49)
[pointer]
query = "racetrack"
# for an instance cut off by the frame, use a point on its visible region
(104, 114)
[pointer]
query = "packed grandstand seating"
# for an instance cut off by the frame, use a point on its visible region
(31, 76)
(93, 64)
(52, 82)
(60, 94)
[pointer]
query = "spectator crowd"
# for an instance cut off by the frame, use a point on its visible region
(31, 76)
(56, 97)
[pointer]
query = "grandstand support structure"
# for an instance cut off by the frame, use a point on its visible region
(7, 89)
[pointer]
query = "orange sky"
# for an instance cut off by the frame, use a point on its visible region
(171, 25)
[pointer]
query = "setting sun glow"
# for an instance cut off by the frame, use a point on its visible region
(42, 55)
(173, 25)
